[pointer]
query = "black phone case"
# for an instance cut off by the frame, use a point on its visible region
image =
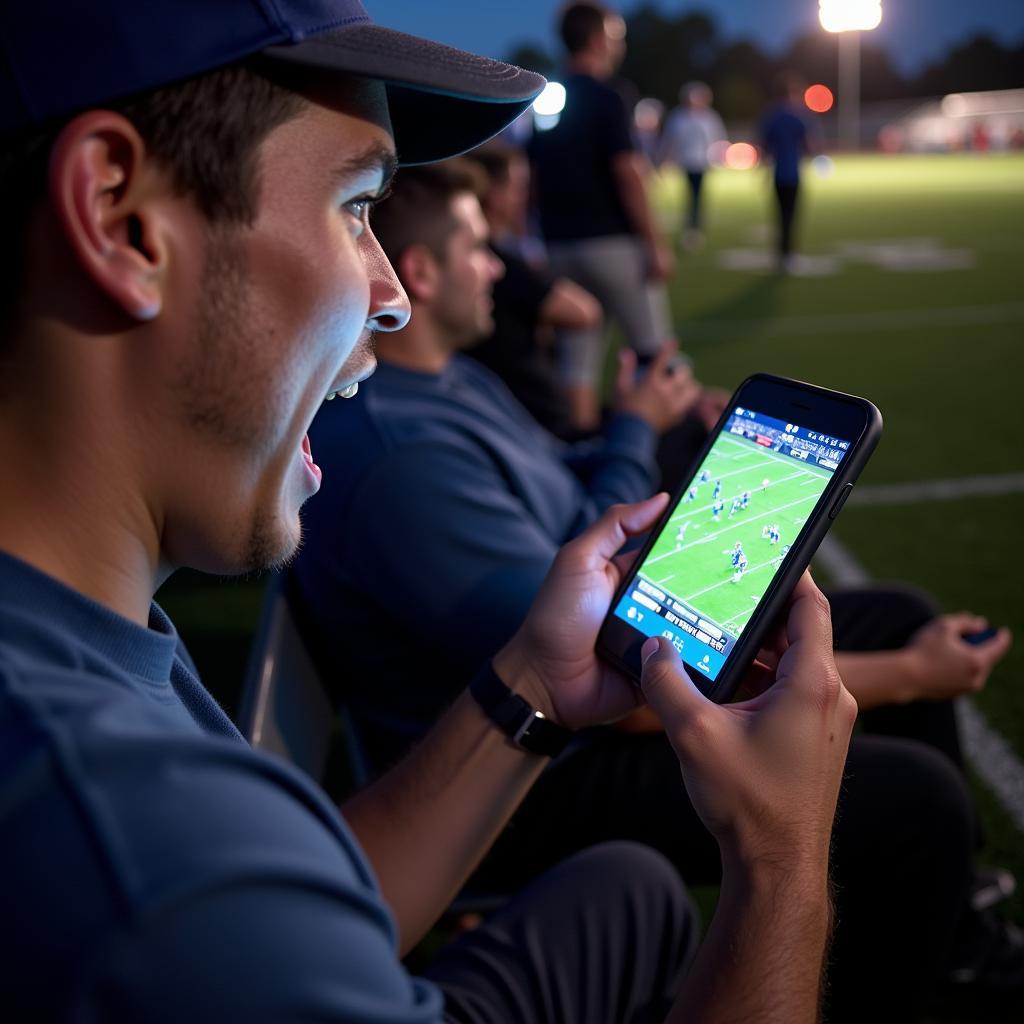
(800, 555)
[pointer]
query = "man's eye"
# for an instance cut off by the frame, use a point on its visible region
(360, 208)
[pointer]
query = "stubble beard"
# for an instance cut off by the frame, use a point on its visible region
(229, 343)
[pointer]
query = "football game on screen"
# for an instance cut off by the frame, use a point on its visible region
(729, 534)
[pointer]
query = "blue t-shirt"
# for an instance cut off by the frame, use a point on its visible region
(442, 506)
(577, 192)
(154, 867)
(784, 135)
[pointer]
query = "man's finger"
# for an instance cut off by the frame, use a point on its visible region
(625, 378)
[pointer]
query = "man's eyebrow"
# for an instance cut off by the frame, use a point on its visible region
(376, 157)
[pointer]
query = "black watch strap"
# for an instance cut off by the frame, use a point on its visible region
(524, 725)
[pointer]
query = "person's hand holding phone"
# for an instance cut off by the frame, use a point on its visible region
(551, 660)
(941, 664)
(763, 774)
(662, 395)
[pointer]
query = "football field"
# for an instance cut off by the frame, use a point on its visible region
(693, 559)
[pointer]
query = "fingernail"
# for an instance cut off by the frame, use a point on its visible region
(649, 647)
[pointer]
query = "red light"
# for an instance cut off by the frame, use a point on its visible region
(741, 156)
(818, 98)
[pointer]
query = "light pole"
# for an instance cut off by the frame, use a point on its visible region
(849, 18)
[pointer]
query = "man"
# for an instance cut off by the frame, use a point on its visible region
(449, 503)
(532, 307)
(595, 215)
(190, 273)
(785, 139)
(690, 132)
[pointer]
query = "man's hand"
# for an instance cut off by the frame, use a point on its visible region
(764, 774)
(711, 404)
(662, 396)
(661, 263)
(551, 659)
(942, 665)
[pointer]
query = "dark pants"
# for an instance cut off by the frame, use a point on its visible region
(696, 179)
(902, 846)
(603, 937)
(786, 194)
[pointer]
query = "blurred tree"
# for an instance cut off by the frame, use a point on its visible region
(663, 52)
(533, 58)
(980, 64)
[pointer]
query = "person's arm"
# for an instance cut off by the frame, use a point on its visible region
(437, 523)
(426, 824)
(764, 777)
(937, 664)
(568, 307)
(629, 172)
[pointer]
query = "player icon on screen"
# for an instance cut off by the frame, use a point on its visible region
(716, 510)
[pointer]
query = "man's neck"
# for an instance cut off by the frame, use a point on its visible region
(68, 507)
(586, 63)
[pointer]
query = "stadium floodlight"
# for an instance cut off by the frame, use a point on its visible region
(848, 18)
(548, 106)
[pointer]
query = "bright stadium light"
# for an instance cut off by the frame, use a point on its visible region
(849, 18)
(849, 15)
(551, 100)
(548, 106)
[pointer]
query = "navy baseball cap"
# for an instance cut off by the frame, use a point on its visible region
(61, 56)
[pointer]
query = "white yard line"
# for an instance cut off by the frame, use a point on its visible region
(746, 522)
(851, 323)
(684, 512)
(993, 485)
(991, 756)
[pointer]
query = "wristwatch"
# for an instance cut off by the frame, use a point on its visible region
(524, 725)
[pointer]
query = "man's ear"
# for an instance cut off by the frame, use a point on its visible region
(101, 188)
(419, 272)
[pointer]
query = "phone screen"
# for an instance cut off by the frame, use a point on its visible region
(729, 534)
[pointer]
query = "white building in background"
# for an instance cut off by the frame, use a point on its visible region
(979, 121)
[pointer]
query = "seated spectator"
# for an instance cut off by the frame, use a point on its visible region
(448, 506)
(530, 305)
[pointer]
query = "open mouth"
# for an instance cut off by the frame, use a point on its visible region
(307, 455)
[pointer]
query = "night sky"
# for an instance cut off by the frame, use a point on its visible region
(914, 31)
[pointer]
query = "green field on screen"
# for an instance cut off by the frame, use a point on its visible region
(698, 569)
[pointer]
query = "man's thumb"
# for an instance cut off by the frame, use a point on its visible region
(669, 690)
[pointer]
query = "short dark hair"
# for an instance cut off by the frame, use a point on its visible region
(418, 210)
(580, 22)
(206, 131)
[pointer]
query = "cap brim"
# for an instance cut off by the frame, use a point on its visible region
(442, 101)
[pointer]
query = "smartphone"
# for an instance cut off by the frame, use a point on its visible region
(718, 567)
(981, 637)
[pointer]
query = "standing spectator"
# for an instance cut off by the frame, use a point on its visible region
(595, 216)
(690, 132)
(785, 139)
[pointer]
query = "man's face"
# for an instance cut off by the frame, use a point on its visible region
(463, 304)
(281, 315)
